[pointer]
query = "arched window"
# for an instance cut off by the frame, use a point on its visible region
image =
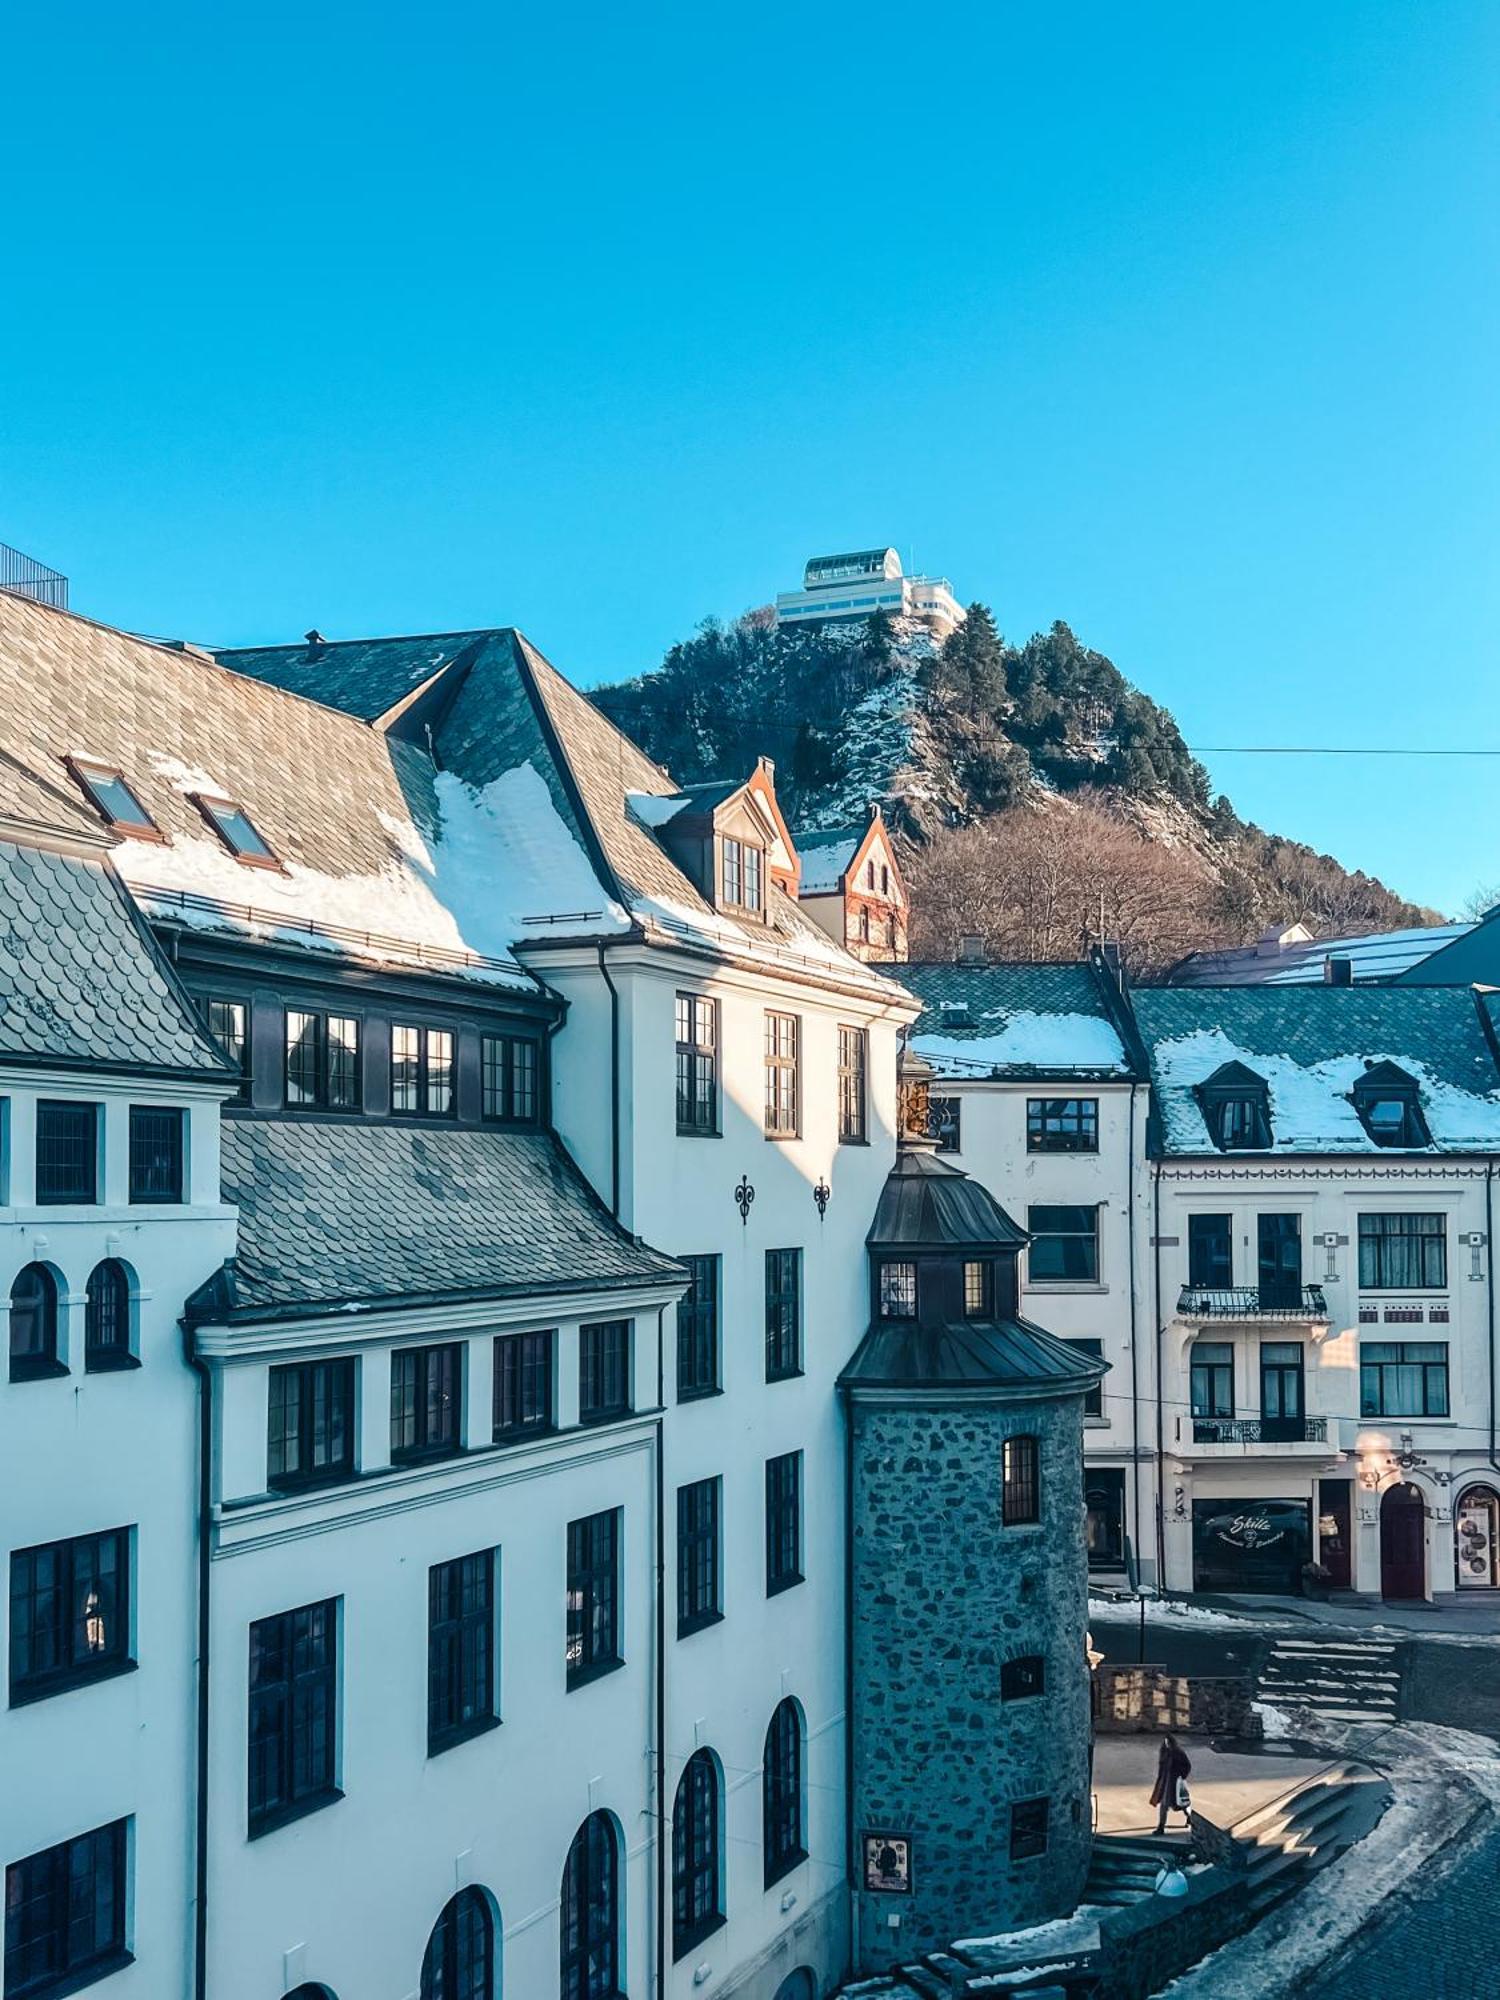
(1020, 1482)
(106, 1317)
(460, 1959)
(309, 1992)
(33, 1324)
(783, 1836)
(697, 1905)
(591, 1914)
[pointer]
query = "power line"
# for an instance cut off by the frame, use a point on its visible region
(1325, 750)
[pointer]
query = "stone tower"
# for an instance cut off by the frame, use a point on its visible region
(969, 1687)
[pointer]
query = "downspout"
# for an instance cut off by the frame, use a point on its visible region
(1131, 1213)
(661, 1651)
(205, 1501)
(1489, 1266)
(856, 1956)
(614, 1087)
(1161, 1454)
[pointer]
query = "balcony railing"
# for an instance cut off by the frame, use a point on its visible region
(1260, 1430)
(1253, 1302)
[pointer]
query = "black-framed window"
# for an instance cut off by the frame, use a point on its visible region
(69, 1613)
(1065, 1244)
(293, 1713)
(1403, 1378)
(1389, 1107)
(697, 1899)
(1093, 1402)
(33, 1325)
(1062, 1124)
(157, 1148)
(783, 1314)
(1211, 1378)
(590, 1913)
(783, 1093)
(603, 1371)
(854, 1056)
(1022, 1678)
(1020, 1482)
(508, 1067)
(427, 1401)
(65, 1914)
(744, 866)
(322, 1061)
(106, 1318)
(1028, 1829)
(783, 1522)
(697, 1064)
(1210, 1252)
(236, 829)
(783, 1835)
(523, 1384)
(422, 1072)
(1403, 1253)
(67, 1151)
(1238, 1121)
(112, 796)
(898, 1289)
(310, 1423)
(979, 1288)
(593, 1596)
(459, 1962)
(228, 1021)
(460, 1649)
(945, 1123)
(698, 1329)
(699, 1556)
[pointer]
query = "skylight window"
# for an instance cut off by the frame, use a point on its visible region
(235, 828)
(116, 804)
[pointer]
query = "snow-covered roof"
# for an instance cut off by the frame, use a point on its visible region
(983, 1021)
(1312, 1045)
(825, 859)
(1373, 956)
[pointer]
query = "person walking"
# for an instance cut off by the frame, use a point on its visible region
(1169, 1793)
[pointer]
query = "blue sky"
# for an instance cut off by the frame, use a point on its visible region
(1178, 322)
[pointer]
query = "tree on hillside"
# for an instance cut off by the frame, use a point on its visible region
(967, 704)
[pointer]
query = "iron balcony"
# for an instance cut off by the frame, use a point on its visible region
(1300, 1302)
(1260, 1430)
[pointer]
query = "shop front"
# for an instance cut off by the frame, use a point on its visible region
(1476, 1534)
(1246, 1544)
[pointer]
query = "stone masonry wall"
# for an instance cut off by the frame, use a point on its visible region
(944, 1594)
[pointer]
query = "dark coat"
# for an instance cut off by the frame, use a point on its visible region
(1172, 1765)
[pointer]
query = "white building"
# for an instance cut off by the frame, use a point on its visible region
(858, 584)
(110, 1214)
(522, 1590)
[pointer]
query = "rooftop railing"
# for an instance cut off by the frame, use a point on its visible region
(25, 577)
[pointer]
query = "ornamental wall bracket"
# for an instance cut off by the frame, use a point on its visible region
(744, 1194)
(822, 1194)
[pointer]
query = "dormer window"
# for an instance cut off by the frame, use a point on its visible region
(898, 1291)
(1236, 1109)
(743, 865)
(1389, 1107)
(111, 797)
(235, 828)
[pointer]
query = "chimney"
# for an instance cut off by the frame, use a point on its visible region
(316, 643)
(971, 949)
(1113, 965)
(1338, 971)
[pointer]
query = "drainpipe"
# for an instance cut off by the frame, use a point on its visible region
(661, 1654)
(614, 1087)
(856, 1958)
(1131, 1213)
(1161, 1454)
(1489, 1272)
(205, 1500)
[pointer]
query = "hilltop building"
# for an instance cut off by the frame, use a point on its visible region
(839, 588)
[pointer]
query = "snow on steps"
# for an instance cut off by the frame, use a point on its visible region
(1345, 1680)
(1285, 1840)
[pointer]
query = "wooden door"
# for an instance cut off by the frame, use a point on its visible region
(1403, 1534)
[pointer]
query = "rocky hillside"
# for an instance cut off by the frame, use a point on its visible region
(979, 752)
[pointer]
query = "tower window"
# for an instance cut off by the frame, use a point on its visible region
(1020, 1482)
(1028, 1829)
(1023, 1678)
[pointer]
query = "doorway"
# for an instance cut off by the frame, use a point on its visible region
(1279, 1262)
(1281, 1392)
(1403, 1539)
(1335, 1541)
(1104, 1497)
(799, 1985)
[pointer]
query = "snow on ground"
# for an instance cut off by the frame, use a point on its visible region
(1079, 1932)
(1084, 1041)
(1126, 1610)
(1275, 1724)
(1438, 1776)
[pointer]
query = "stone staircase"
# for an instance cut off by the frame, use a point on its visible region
(1285, 1840)
(1346, 1680)
(1123, 1867)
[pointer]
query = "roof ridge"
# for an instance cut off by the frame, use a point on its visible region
(381, 639)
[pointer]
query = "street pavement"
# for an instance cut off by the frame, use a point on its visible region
(1434, 1938)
